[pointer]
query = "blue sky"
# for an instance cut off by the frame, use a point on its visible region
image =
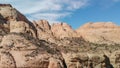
(73, 12)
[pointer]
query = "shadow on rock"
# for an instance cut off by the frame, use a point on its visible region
(107, 62)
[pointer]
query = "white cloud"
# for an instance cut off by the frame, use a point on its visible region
(52, 17)
(52, 10)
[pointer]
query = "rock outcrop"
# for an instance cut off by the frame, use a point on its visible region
(55, 31)
(61, 30)
(40, 45)
(14, 21)
(20, 51)
(44, 30)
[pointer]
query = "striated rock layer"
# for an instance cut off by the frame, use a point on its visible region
(40, 45)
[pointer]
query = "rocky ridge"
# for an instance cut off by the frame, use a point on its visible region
(25, 44)
(100, 32)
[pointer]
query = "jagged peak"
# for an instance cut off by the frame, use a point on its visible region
(62, 24)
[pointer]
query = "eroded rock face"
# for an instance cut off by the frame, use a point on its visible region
(88, 55)
(57, 30)
(100, 32)
(41, 45)
(61, 30)
(14, 21)
(51, 32)
(18, 27)
(22, 27)
(87, 60)
(44, 30)
(6, 60)
(20, 51)
(10, 13)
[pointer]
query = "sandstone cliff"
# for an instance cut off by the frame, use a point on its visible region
(14, 21)
(25, 44)
(100, 32)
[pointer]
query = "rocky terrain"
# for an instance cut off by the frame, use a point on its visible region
(37, 44)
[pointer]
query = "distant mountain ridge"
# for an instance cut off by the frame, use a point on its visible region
(98, 32)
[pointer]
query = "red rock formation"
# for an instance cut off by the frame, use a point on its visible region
(10, 16)
(50, 32)
(44, 30)
(40, 45)
(61, 30)
(100, 32)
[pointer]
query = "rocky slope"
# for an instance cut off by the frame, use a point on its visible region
(100, 32)
(25, 44)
